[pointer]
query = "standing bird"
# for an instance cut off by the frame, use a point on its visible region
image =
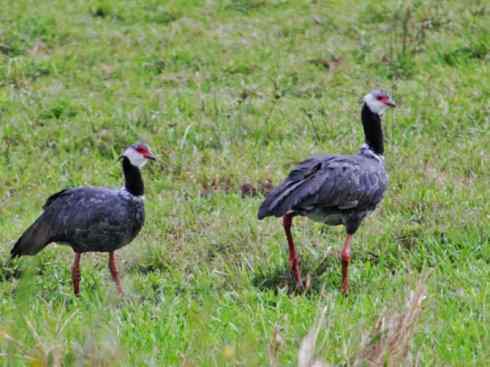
(335, 189)
(92, 218)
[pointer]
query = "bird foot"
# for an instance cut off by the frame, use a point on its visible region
(345, 289)
(302, 287)
(120, 292)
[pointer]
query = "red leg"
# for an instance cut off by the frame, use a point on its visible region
(287, 222)
(345, 264)
(114, 273)
(75, 274)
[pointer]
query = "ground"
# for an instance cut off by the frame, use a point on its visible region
(230, 95)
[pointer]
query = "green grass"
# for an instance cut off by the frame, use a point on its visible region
(228, 93)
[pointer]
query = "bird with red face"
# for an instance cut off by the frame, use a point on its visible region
(335, 189)
(92, 219)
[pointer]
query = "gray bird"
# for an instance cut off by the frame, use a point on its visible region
(335, 189)
(92, 218)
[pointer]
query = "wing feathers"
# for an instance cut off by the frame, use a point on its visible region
(34, 239)
(40, 233)
(288, 194)
(341, 182)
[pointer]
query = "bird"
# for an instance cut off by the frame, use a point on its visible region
(92, 219)
(335, 189)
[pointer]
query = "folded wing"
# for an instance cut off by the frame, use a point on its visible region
(336, 182)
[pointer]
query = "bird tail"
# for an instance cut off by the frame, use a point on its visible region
(279, 201)
(33, 240)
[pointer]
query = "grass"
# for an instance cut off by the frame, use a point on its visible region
(232, 93)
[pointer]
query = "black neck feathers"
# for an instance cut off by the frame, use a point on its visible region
(373, 133)
(132, 178)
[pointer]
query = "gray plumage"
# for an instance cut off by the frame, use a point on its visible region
(335, 189)
(87, 219)
(92, 218)
(331, 189)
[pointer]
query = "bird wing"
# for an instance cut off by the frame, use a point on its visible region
(41, 232)
(337, 182)
(92, 217)
(55, 196)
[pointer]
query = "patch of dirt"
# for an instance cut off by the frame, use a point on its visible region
(261, 188)
(225, 185)
(216, 184)
(329, 64)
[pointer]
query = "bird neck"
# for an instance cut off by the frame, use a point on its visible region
(373, 133)
(133, 182)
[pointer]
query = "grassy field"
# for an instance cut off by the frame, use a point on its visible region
(230, 95)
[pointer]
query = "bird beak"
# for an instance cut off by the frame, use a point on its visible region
(390, 103)
(150, 156)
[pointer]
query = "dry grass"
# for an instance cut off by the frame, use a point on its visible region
(231, 95)
(275, 345)
(306, 354)
(388, 344)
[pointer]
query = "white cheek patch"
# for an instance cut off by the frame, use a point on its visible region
(375, 105)
(135, 158)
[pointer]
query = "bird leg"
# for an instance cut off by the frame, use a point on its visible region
(345, 264)
(287, 222)
(75, 274)
(114, 273)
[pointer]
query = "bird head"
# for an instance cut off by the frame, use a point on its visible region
(378, 101)
(138, 154)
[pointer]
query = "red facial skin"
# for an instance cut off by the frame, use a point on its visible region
(386, 100)
(145, 152)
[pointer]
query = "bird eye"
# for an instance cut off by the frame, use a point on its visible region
(380, 98)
